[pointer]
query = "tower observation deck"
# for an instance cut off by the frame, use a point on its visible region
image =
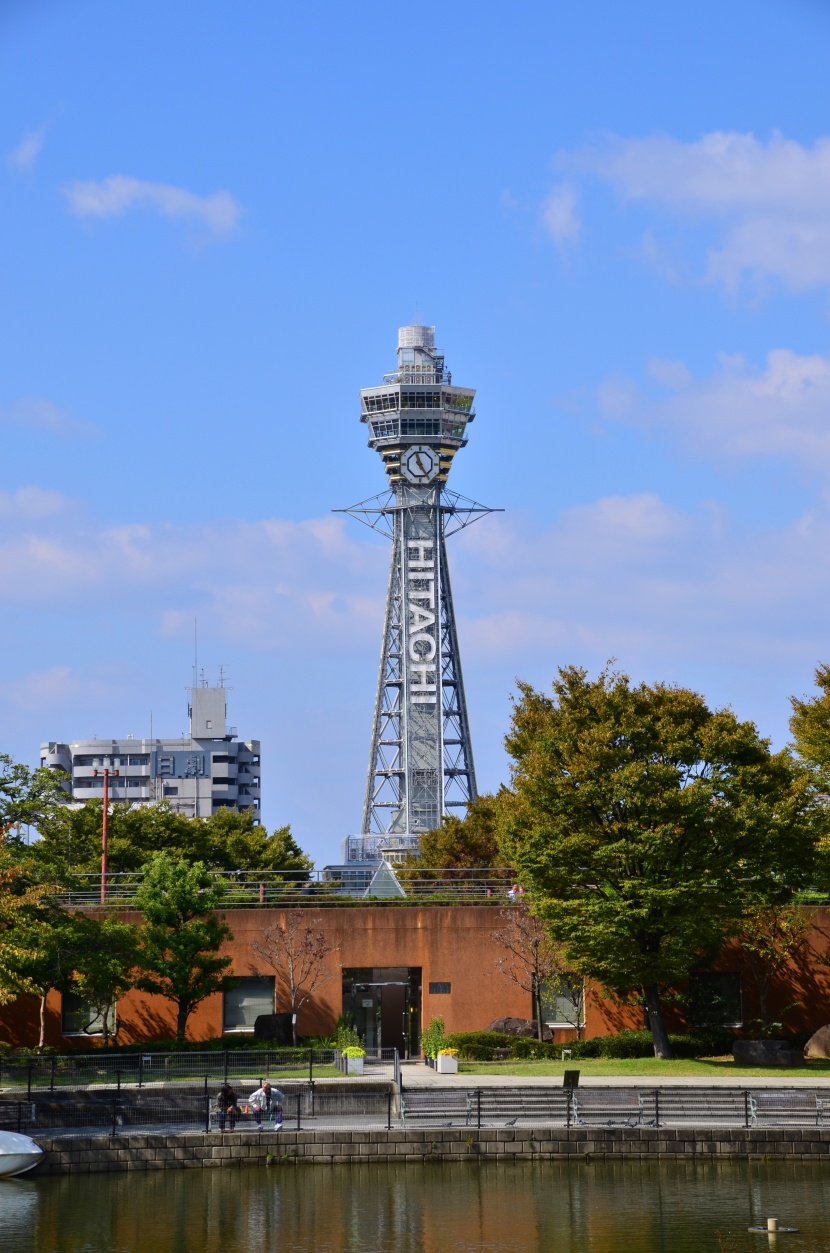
(421, 758)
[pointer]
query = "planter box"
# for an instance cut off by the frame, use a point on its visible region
(446, 1065)
(354, 1065)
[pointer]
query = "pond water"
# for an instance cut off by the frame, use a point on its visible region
(633, 1207)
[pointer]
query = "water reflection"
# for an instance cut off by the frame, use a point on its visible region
(523, 1207)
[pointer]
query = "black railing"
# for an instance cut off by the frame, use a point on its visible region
(305, 1106)
(133, 1112)
(141, 1069)
(617, 1107)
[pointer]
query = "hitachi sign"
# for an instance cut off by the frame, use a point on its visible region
(420, 618)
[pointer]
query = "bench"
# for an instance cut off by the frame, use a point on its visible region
(792, 1107)
(610, 1107)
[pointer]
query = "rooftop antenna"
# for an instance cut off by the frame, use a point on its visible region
(223, 676)
(195, 652)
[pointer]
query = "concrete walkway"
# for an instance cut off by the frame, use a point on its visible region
(417, 1075)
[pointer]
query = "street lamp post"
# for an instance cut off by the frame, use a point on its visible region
(105, 832)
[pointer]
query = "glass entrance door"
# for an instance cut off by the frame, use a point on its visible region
(384, 1004)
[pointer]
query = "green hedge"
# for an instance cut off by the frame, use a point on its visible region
(627, 1044)
(478, 1046)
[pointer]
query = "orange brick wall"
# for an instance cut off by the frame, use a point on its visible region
(450, 944)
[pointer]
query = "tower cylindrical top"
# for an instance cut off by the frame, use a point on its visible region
(417, 417)
(416, 336)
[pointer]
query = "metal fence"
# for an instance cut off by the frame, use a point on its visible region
(617, 1107)
(140, 1069)
(134, 1111)
(311, 1105)
(249, 889)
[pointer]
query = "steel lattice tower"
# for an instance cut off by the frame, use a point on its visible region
(421, 757)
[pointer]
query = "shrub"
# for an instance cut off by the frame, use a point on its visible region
(712, 1043)
(584, 1048)
(528, 1049)
(432, 1039)
(478, 1046)
(627, 1044)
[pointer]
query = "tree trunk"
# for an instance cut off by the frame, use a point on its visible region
(42, 1037)
(656, 1022)
(294, 1025)
(181, 1021)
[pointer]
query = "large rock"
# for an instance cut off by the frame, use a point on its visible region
(765, 1053)
(519, 1027)
(275, 1027)
(818, 1045)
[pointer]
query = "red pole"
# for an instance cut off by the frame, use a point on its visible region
(104, 822)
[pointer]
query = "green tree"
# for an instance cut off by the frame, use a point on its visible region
(21, 902)
(810, 726)
(106, 953)
(228, 840)
(26, 796)
(465, 843)
(181, 934)
(645, 825)
(47, 940)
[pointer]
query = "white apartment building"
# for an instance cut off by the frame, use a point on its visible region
(196, 775)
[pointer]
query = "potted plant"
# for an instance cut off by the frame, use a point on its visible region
(354, 1059)
(447, 1062)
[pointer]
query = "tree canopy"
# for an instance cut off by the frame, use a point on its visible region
(181, 935)
(228, 840)
(463, 843)
(646, 825)
(26, 796)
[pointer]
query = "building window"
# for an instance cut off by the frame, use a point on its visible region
(170, 790)
(715, 999)
(563, 1003)
(440, 989)
(245, 999)
(79, 1018)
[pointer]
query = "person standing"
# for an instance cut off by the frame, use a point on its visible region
(267, 1100)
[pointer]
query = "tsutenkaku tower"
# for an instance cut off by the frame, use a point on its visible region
(421, 757)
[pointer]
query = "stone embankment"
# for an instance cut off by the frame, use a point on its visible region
(72, 1155)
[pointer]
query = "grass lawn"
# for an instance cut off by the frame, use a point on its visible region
(607, 1068)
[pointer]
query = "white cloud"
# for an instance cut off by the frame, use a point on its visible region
(672, 374)
(661, 589)
(112, 196)
(32, 502)
(781, 411)
(267, 584)
(559, 215)
(771, 200)
(22, 158)
(42, 415)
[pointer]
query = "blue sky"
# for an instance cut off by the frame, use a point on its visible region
(216, 216)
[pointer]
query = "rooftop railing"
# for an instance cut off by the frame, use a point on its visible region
(247, 889)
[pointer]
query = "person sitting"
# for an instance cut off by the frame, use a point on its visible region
(227, 1106)
(268, 1100)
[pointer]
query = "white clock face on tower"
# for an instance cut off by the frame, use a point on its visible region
(419, 464)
